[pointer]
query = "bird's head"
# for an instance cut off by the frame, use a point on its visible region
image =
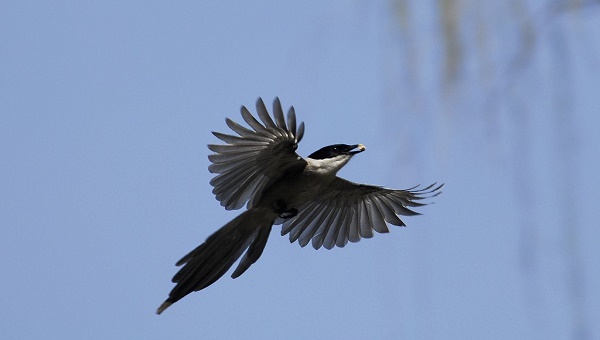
(330, 159)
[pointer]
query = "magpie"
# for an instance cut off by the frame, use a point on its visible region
(259, 167)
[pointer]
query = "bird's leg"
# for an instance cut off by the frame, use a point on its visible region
(289, 213)
(280, 208)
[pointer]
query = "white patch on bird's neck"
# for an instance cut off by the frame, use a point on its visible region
(327, 166)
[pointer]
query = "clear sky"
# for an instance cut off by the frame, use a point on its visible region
(106, 109)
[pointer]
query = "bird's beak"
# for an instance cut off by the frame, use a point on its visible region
(360, 148)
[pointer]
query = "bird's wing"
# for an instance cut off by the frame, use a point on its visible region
(349, 211)
(256, 157)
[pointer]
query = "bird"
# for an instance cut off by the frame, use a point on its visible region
(258, 167)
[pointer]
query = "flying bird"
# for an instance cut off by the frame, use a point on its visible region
(259, 168)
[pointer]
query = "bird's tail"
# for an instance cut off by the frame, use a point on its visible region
(211, 260)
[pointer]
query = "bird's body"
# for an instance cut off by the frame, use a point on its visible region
(261, 168)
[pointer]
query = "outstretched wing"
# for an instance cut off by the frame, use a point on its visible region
(256, 157)
(349, 211)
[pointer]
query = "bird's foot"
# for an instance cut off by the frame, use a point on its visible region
(280, 208)
(288, 213)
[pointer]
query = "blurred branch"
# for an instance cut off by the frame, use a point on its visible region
(560, 6)
(566, 153)
(453, 56)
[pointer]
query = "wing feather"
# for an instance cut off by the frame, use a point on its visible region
(353, 233)
(377, 217)
(278, 115)
(291, 121)
(366, 224)
(254, 157)
(263, 114)
(335, 229)
(250, 120)
(388, 212)
(342, 237)
(241, 140)
(300, 131)
(313, 226)
(323, 228)
(239, 129)
(348, 211)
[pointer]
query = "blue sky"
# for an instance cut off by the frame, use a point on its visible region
(106, 112)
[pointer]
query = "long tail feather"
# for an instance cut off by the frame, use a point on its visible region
(211, 260)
